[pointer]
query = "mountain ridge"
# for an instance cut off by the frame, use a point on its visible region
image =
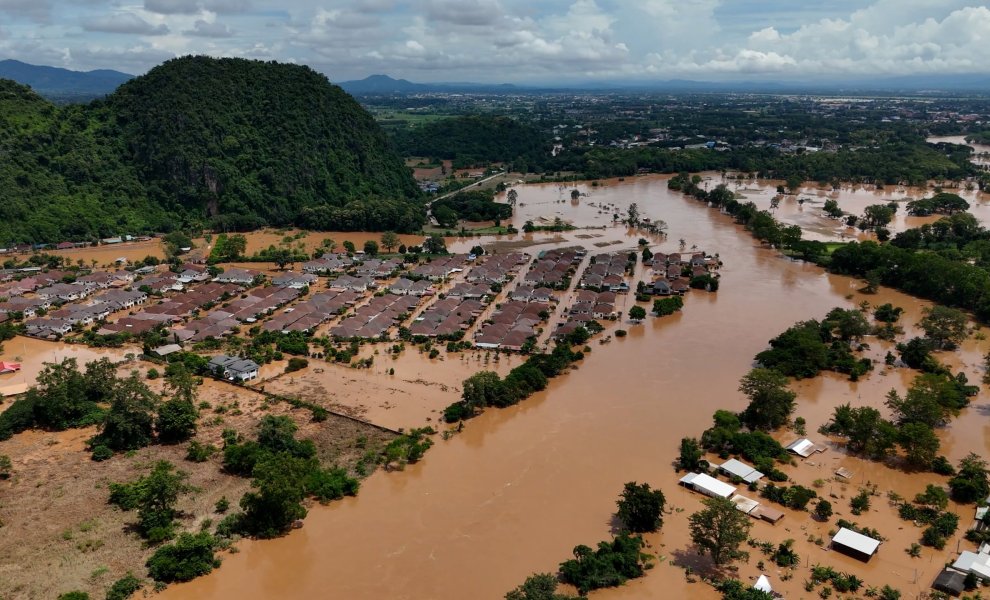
(56, 82)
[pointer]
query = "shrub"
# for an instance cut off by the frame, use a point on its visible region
(101, 453)
(197, 452)
(610, 565)
(124, 588)
(296, 364)
(6, 466)
(76, 595)
(190, 556)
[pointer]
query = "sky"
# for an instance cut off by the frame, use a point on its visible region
(515, 41)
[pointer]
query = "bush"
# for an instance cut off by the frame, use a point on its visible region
(197, 452)
(610, 565)
(621, 333)
(296, 364)
(6, 466)
(222, 505)
(76, 595)
(458, 411)
(124, 588)
(190, 556)
(101, 453)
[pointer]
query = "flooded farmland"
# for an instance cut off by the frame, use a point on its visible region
(517, 489)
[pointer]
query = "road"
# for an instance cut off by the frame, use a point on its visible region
(429, 205)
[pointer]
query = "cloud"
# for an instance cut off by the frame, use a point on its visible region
(551, 41)
(192, 7)
(36, 10)
(210, 30)
(124, 22)
(464, 12)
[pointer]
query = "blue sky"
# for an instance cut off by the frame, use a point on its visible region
(521, 41)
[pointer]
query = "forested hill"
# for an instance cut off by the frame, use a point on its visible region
(225, 143)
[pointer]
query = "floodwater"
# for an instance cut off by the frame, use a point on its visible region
(981, 152)
(33, 353)
(517, 489)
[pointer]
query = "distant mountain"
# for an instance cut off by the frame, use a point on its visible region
(59, 83)
(379, 85)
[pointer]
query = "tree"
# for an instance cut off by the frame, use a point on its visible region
(637, 313)
(823, 510)
(933, 497)
(641, 508)
(690, 456)
(945, 327)
(970, 483)
(349, 246)
(276, 498)
(482, 389)
(389, 240)
(129, 424)
(610, 565)
(371, 248)
(124, 588)
(920, 444)
(633, 214)
(156, 502)
(176, 421)
(877, 215)
(846, 324)
(719, 529)
(542, 586)
(512, 196)
(770, 401)
(434, 244)
(887, 313)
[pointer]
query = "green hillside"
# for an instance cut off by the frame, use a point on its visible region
(222, 143)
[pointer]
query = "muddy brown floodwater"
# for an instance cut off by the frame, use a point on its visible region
(519, 488)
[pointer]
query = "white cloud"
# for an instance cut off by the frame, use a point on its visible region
(516, 40)
(211, 30)
(123, 22)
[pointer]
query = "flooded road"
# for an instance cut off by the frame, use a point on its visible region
(519, 488)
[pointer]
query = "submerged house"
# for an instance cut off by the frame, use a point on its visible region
(708, 485)
(737, 468)
(855, 544)
(234, 368)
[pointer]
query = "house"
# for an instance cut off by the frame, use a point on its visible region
(401, 286)
(708, 485)
(737, 468)
(972, 562)
(950, 582)
(9, 367)
(296, 281)
(233, 368)
(804, 447)
(238, 276)
(347, 283)
(328, 263)
(764, 512)
(167, 349)
(661, 287)
(190, 275)
(855, 544)
(743, 504)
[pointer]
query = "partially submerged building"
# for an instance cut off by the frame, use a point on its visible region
(737, 468)
(855, 544)
(708, 485)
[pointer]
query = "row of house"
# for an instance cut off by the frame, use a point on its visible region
(440, 268)
(312, 311)
(408, 287)
(375, 318)
(554, 268)
(497, 268)
(447, 317)
(512, 325)
(606, 273)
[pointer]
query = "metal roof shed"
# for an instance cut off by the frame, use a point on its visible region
(971, 562)
(708, 486)
(854, 543)
(802, 447)
(737, 468)
(950, 582)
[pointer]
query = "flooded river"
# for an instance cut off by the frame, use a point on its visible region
(518, 488)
